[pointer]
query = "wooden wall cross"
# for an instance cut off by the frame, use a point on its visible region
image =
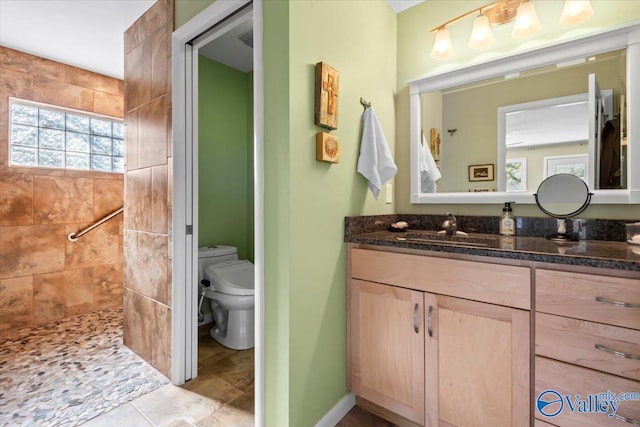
(327, 92)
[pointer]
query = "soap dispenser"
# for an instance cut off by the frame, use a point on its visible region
(507, 221)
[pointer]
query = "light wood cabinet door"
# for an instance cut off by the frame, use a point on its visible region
(386, 347)
(477, 364)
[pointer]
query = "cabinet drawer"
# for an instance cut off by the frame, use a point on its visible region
(576, 341)
(493, 283)
(589, 297)
(570, 381)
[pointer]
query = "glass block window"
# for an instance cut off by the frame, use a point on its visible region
(52, 137)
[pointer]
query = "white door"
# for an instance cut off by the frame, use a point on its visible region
(210, 24)
(596, 121)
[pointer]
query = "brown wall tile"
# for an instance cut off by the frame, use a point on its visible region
(60, 200)
(131, 128)
(152, 134)
(147, 327)
(4, 139)
(139, 322)
(16, 199)
(137, 214)
(108, 196)
(48, 297)
(137, 76)
(15, 84)
(108, 104)
(16, 302)
(31, 249)
(130, 258)
(62, 94)
(160, 65)
(152, 264)
(98, 246)
(25, 63)
(94, 81)
(159, 220)
(108, 286)
(78, 291)
(161, 351)
(37, 249)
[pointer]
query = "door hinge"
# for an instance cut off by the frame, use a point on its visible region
(189, 229)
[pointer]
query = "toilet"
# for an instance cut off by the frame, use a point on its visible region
(228, 284)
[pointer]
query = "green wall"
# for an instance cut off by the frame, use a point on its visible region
(225, 157)
(413, 61)
(359, 40)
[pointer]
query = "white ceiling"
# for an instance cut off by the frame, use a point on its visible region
(88, 34)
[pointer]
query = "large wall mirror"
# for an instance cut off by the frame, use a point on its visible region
(496, 130)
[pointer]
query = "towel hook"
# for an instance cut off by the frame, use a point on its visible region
(365, 104)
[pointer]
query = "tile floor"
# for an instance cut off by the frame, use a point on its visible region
(68, 377)
(69, 371)
(221, 395)
(359, 417)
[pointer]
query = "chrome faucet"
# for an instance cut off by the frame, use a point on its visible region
(450, 224)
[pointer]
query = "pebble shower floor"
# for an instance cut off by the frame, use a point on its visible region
(70, 371)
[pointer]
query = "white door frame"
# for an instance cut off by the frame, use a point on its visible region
(185, 43)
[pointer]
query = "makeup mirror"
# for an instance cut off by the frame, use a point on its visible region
(562, 196)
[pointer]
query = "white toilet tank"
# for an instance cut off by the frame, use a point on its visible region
(208, 255)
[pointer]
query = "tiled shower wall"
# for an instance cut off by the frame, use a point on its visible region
(147, 235)
(43, 276)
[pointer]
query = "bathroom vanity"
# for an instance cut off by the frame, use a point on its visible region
(450, 333)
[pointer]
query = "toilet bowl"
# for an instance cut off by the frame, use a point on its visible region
(231, 292)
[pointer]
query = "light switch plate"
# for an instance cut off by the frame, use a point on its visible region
(388, 194)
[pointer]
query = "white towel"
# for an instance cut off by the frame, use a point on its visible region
(429, 172)
(375, 162)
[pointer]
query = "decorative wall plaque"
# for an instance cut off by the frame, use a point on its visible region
(327, 91)
(327, 148)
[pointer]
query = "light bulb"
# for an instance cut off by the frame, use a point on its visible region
(527, 21)
(481, 35)
(442, 46)
(575, 12)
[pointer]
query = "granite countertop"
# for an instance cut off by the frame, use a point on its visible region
(593, 253)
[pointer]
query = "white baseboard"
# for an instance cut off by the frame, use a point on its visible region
(338, 411)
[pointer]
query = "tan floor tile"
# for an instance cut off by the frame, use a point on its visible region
(211, 421)
(213, 387)
(171, 403)
(210, 351)
(238, 413)
(237, 369)
(122, 416)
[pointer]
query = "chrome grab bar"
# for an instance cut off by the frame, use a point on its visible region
(72, 237)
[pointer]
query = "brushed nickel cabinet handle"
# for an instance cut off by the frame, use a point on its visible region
(416, 327)
(430, 321)
(626, 420)
(617, 353)
(618, 303)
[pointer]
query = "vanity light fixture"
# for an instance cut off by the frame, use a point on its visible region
(442, 46)
(481, 35)
(527, 21)
(501, 12)
(575, 12)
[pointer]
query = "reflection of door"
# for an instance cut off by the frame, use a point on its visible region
(596, 121)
